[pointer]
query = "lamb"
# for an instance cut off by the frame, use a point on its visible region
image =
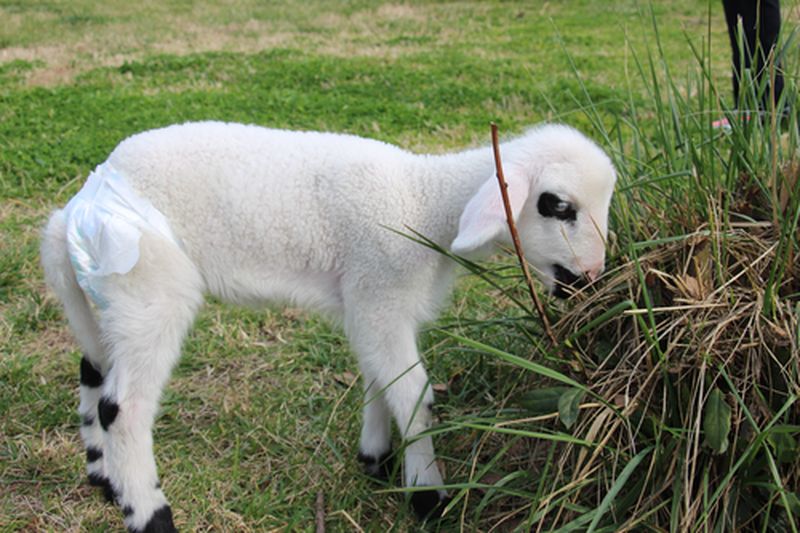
(251, 215)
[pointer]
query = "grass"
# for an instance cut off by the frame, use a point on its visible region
(683, 367)
(263, 411)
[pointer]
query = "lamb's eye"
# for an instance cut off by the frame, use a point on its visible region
(550, 205)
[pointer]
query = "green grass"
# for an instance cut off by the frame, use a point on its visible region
(263, 411)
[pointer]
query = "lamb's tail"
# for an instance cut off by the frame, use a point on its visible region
(60, 277)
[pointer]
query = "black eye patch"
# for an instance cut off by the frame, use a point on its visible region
(550, 205)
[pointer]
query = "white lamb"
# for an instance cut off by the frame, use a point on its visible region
(248, 215)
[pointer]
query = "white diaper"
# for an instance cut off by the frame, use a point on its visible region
(104, 223)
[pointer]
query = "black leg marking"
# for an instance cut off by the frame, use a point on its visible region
(160, 522)
(379, 468)
(96, 480)
(107, 410)
(428, 504)
(89, 374)
(93, 454)
(108, 493)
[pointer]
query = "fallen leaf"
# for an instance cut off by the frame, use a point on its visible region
(439, 387)
(345, 378)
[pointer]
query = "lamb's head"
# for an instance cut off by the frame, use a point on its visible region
(560, 185)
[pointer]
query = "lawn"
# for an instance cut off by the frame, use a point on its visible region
(261, 418)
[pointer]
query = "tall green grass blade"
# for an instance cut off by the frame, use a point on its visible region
(556, 437)
(609, 498)
(517, 361)
(604, 317)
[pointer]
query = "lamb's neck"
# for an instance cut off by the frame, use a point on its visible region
(447, 183)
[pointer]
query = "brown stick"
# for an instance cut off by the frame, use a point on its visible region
(320, 512)
(512, 227)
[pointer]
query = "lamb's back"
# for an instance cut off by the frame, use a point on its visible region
(271, 196)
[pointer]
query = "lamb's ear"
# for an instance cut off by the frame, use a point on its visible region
(484, 217)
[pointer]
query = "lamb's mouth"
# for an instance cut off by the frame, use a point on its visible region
(567, 282)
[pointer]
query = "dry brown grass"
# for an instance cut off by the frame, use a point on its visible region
(706, 327)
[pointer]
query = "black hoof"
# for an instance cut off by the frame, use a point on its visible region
(429, 504)
(379, 468)
(160, 522)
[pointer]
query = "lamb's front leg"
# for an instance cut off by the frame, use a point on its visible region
(375, 445)
(385, 343)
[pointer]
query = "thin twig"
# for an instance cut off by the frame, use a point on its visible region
(515, 237)
(320, 512)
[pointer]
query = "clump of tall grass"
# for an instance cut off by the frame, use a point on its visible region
(671, 401)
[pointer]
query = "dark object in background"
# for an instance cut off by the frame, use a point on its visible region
(761, 24)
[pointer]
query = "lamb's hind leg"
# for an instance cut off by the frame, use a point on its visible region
(149, 311)
(91, 377)
(61, 279)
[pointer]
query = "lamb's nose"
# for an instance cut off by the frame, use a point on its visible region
(593, 273)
